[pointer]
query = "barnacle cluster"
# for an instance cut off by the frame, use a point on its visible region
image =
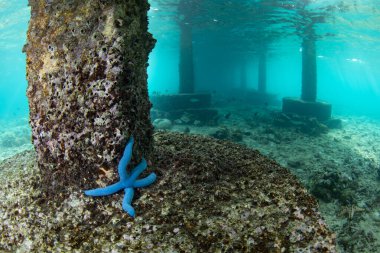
(86, 69)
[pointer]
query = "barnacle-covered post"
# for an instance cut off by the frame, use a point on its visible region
(87, 86)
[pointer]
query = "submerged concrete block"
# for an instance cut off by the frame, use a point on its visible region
(181, 101)
(87, 86)
(319, 110)
(195, 107)
(253, 97)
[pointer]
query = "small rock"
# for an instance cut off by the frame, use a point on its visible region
(185, 119)
(295, 163)
(197, 123)
(162, 124)
(334, 124)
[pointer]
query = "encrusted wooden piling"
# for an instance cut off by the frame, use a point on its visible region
(86, 69)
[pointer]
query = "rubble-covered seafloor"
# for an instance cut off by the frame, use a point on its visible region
(211, 196)
(339, 166)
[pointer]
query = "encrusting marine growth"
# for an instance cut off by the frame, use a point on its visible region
(127, 182)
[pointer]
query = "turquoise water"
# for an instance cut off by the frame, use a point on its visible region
(224, 36)
(14, 16)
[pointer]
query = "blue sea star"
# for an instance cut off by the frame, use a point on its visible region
(126, 182)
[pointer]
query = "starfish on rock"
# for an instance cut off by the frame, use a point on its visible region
(126, 182)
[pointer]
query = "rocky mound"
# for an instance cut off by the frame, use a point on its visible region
(210, 196)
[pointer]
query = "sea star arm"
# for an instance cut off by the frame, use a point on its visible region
(145, 181)
(137, 171)
(127, 200)
(105, 191)
(125, 159)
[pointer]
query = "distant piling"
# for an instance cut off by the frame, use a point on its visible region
(186, 61)
(186, 64)
(309, 70)
(262, 75)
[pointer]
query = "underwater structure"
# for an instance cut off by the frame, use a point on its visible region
(87, 86)
(194, 105)
(186, 61)
(243, 74)
(308, 104)
(258, 40)
(262, 73)
(260, 96)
